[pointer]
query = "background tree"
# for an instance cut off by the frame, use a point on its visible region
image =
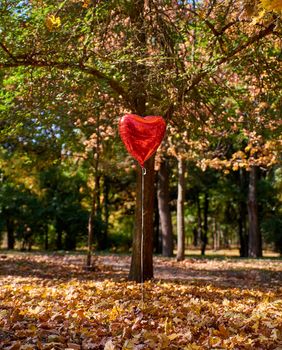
(139, 54)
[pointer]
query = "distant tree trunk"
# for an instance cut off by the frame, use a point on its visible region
(164, 210)
(91, 220)
(91, 224)
(204, 237)
(180, 211)
(93, 209)
(90, 232)
(59, 240)
(242, 219)
(157, 229)
(215, 243)
(199, 218)
(255, 242)
(195, 237)
(70, 240)
(46, 238)
(243, 236)
(99, 232)
(59, 228)
(106, 210)
(135, 267)
(10, 233)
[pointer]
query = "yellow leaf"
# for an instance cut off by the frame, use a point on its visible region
(275, 334)
(109, 345)
(235, 167)
(52, 22)
(272, 5)
(128, 345)
(167, 325)
(215, 341)
(192, 347)
(86, 3)
(173, 336)
(114, 313)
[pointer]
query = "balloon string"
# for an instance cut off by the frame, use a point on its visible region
(142, 236)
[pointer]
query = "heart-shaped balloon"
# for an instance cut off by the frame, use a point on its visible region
(141, 135)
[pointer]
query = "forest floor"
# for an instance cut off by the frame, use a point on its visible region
(51, 302)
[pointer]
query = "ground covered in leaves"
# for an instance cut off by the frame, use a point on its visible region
(50, 302)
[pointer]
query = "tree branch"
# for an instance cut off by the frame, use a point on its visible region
(203, 73)
(8, 52)
(112, 83)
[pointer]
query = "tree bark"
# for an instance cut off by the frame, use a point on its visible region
(243, 236)
(157, 228)
(90, 232)
(59, 240)
(180, 211)
(91, 220)
(164, 210)
(199, 218)
(255, 241)
(59, 229)
(215, 243)
(106, 211)
(46, 239)
(10, 233)
(242, 224)
(94, 201)
(99, 231)
(204, 237)
(135, 273)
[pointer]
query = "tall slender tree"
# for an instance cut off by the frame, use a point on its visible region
(138, 52)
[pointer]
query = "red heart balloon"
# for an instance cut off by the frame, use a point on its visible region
(141, 135)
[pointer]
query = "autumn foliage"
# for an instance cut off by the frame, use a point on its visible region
(50, 302)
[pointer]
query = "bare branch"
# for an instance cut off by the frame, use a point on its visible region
(8, 52)
(112, 83)
(203, 73)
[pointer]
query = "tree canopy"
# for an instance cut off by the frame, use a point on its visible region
(70, 69)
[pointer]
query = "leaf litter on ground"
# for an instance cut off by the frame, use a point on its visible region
(51, 302)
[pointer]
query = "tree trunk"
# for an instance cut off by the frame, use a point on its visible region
(242, 227)
(138, 102)
(135, 273)
(91, 230)
(59, 230)
(164, 210)
(98, 231)
(93, 209)
(106, 211)
(199, 218)
(204, 238)
(180, 211)
(215, 245)
(59, 241)
(10, 233)
(255, 243)
(46, 238)
(243, 237)
(195, 237)
(157, 229)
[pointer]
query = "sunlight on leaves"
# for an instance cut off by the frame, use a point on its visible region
(74, 309)
(52, 23)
